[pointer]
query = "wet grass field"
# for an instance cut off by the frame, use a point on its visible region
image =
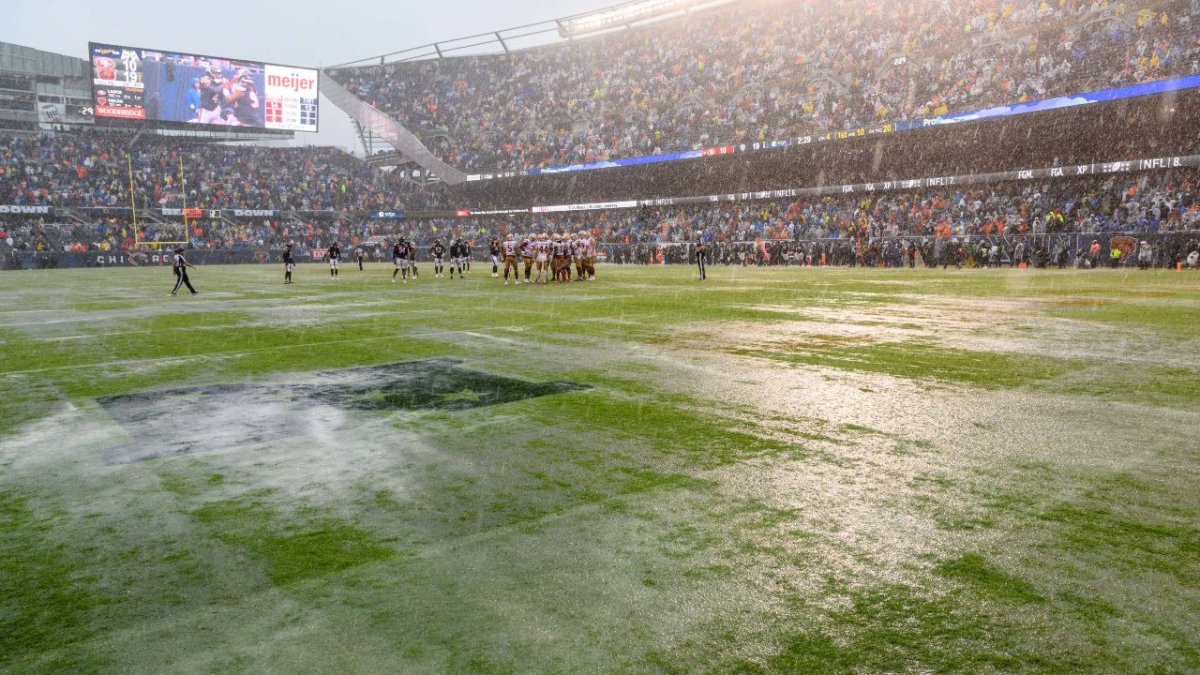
(780, 470)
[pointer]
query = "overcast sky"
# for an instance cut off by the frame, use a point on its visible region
(295, 32)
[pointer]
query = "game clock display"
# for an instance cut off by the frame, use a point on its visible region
(143, 84)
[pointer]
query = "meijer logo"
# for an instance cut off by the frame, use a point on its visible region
(294, 82)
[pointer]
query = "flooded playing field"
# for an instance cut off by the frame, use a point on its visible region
(778, 470)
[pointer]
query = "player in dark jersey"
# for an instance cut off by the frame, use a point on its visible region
(438, 252)
(412, 258)
(458, 257)
(400, 259)
(701, 255)
(241, 101)
(212, 96)
(180, 266)
(494, 251)
(289, 263)
(466, 244)
(333, 255)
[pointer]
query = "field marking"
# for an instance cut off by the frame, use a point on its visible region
(226, 355)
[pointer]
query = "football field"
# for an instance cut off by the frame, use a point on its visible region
(778, 470)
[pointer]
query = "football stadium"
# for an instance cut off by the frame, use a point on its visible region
(676, 336)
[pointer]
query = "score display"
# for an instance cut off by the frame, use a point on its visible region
(143, 84)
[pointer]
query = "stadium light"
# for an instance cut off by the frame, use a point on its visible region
(626, 14)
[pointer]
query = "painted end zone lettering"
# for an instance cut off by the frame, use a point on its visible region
(27, 210)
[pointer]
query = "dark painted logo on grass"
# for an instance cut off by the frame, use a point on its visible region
(203, 419)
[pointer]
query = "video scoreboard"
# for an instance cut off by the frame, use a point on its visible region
(134, 83)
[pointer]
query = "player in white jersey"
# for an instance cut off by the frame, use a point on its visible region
(588, 244)
(555, 261)
(509, 250)
(541, 253)
(572, 243)
(577, 255)
(526, 249)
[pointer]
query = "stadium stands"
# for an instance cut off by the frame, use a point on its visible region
(1123, 130)
(91, 170)
(334, 194)
(772, 69)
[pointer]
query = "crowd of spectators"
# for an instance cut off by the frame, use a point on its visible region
(762, 70)
(1142, 203)
(93, 169)
(1139, 128)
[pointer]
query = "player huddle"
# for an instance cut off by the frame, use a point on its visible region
(404, 257)
(551, 255)
(545, 257)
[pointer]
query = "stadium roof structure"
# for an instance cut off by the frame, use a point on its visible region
(623, 16)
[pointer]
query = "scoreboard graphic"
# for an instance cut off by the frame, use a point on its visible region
(144, 84)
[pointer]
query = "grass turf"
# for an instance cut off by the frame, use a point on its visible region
(777, 471)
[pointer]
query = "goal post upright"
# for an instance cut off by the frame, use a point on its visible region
(132, 202)
(187, 234)
(137, 241)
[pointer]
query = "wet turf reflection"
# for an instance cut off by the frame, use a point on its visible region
(201, 419)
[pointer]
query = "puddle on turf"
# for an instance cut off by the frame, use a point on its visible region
(196, 419)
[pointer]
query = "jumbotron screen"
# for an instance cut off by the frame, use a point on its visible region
(144, 84)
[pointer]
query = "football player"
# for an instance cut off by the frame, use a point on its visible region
(509, 249)
(526, 249)
(400, 259)
(436, 252)
(211, 97)
(589, 255)
(333, 255)
(577, 255)
(289, 264)
(494, 250)
(241, 101)
(561, 259)
(541, 252)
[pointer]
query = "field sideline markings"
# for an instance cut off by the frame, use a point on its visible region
(225, 355)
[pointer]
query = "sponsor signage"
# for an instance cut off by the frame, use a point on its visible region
(189, 213)
(1069, 171)
(493, 212)
(51, 113)
(594, 206)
